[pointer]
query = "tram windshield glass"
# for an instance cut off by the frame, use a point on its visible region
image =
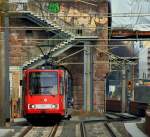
(43, 83)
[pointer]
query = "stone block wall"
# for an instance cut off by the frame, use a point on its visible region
(101, 65)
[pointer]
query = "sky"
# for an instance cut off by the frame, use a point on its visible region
(131, 14)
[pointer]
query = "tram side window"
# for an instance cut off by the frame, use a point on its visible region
(23, 82)
(34, 84)
(62, 85)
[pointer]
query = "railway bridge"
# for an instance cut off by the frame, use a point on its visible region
(79, 35)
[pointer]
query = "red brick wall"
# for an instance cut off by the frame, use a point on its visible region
(22, 45)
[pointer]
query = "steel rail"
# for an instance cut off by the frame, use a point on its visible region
(105, 122)
(82, 129)
(23, 133)
(110, 130)
(53, 131)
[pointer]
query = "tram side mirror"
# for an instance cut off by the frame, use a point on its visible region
(21, 82)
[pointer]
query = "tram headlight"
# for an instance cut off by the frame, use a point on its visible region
(54, 106)
(32, 106)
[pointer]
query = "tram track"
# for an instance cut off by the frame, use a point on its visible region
(99, 129)
(105, 127)
(82, 129)
(53, 131)
(110, 130)
(25, 131)
(33, 131)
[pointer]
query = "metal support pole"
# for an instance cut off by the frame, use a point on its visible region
(84, 82)
(133, 83)
(7, 83)
(88, 82)
(2, 115)
(124, 91)
(129, 78)
(105, 94)
(4, 71)
(91, 78)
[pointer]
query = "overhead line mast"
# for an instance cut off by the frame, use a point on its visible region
(4, 63)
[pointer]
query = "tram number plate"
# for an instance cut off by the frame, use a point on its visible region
(43, 106)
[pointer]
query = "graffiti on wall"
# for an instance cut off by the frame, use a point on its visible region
(81, 16)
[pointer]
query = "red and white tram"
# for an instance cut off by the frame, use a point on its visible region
(46, 93)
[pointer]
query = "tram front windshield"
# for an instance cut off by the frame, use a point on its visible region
(43, 83)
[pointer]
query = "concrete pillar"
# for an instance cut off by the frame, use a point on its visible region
(2, 116)
(88, 79)
(4, 70)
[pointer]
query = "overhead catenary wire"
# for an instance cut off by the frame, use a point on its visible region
(74, 28)
(95, 14)
(85, 1)
(81, 63)
(92, 39)
(69, 55)
(78, 46)
(115, 57)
